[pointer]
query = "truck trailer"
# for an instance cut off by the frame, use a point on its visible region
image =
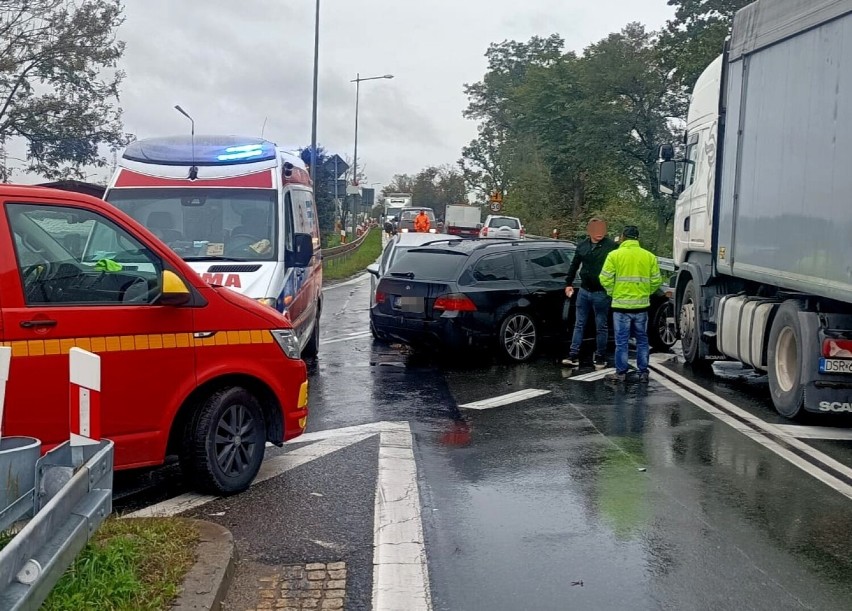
(763, 222)
(463, 220)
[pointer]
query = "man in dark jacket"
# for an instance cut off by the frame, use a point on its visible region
(589, 260)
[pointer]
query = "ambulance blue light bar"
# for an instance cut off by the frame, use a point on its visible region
(206, 151)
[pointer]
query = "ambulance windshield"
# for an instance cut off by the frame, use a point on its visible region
(207, 224)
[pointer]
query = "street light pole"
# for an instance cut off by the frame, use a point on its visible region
(314, 115)
(358, 80)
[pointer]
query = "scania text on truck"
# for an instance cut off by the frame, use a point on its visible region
(188, 369)
(238, 210)
(763, 224)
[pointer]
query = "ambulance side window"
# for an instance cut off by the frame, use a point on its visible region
(288, 222)
(70, 255)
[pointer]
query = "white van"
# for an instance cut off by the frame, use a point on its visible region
(238, 210)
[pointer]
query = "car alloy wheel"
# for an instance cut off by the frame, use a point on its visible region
(518, 336)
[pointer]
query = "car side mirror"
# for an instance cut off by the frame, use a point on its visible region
(175, 292)
(373, 268)
(667, 177)
(303, 250)
(479, 225)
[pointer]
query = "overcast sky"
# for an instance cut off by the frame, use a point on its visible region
(232, 64)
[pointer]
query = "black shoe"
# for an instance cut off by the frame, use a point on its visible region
(600, 362)
(618, 378)
(643, 378)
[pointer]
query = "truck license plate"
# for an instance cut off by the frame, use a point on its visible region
(835, 366)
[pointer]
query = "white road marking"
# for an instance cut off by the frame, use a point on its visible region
(354, 280)
(400, 570)
(514, 397)
(817, 432)
(349, 338)
(593, 376)
(271, 467)
(758, 436)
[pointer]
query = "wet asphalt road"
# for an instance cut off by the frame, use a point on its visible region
(587, 497)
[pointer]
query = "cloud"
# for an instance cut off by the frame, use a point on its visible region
(234, 65)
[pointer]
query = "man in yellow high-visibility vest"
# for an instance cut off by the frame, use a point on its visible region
(630, 276)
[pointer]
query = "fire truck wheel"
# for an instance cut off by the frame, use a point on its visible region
(224, 442)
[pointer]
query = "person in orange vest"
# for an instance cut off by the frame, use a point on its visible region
(421, 222)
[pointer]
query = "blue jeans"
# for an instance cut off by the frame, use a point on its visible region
(625, 325)
(588, 301)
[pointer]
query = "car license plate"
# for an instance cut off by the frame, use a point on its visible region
(835, 366)
(408, 304)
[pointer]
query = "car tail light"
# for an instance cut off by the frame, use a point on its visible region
(380, 297)
(485, 231)
(523, 232)
(837, 348)
(454, 302)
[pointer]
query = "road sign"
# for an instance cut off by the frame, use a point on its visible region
(336, 165)
(495, 206)
(353, 190)
(496, 196)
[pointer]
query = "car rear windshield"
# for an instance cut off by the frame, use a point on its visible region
(410, 215)
(503, 221)
(428, 264)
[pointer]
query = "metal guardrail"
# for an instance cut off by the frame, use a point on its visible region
(344, 251)
(68, 506)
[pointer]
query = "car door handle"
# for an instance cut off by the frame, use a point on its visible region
(31, 324)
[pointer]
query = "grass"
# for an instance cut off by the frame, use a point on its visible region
(366, 254)
(131, 564)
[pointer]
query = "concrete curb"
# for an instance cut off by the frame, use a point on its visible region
(206, 584)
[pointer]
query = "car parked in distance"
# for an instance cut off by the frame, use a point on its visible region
(407, 216)
(496, 226)
(457, 294)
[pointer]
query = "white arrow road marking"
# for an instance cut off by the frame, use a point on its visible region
(271, 467)
(400, 569)
(513, 397)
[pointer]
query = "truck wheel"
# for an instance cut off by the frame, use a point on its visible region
(694, 352)
(224, 442)
(785, 361)
(518, 337)
(312, 347)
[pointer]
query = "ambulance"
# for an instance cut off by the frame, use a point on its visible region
(238, 210)
(187, 368)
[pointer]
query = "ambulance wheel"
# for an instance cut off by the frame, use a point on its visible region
(312, 347)
(225, 441)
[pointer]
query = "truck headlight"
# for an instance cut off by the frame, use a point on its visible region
(267, 301)
(288, 342)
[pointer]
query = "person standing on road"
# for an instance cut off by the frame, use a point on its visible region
(630, 276)
(590, 254)
(421, 222)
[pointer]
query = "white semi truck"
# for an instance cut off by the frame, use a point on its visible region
(763, 223)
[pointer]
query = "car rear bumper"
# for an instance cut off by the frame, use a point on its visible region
(443, 333)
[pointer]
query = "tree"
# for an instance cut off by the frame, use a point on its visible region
(323, 189)
(400, 183)
(59, 82)
(696, 35)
